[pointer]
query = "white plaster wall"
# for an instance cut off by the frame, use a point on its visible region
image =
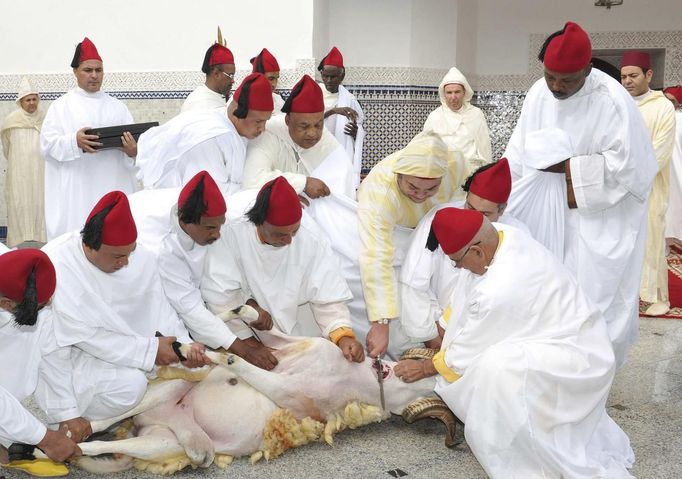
(370, 32)
(151, 35)
(434, 33)
(396, 33)
(321, 42)
(503, 27)
(467, 13)
(172, 35)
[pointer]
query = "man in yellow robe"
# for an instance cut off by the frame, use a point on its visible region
(673, 227)
(396, 194)
(659, 117)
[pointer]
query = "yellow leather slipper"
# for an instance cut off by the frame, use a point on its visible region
(39, 467)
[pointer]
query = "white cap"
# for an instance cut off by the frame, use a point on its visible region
(25, 88)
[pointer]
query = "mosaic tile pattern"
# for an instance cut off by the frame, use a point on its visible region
(394, 76)
(502, 110)
(394, 116)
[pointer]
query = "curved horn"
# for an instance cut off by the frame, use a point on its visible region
(435, 408)
(418, 353)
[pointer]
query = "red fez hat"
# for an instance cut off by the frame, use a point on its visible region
(455, 228)
(88, 51)
(493, 184)
(254, 93)
(284, 206)
(675, 91)
(17, 265)
(213, 199)
(333, 58)
(119, 226)
(85, 50)
(264, 62)
(217, 55)
(570, 51)
(306, 97)
(636, 59)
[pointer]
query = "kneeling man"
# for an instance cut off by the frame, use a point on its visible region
(258, 261)
(526, 361)
(110, 305)
(182, 226)
(34, 364)
(427, 277)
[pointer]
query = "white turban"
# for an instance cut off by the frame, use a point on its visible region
(454, 76)
(25, 88)
(426, 156)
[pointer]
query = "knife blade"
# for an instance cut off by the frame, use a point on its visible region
(380, 377)
(253, 331)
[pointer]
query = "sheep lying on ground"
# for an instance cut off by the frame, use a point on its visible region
(237, 409)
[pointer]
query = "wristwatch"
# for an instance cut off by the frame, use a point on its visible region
(382, 321)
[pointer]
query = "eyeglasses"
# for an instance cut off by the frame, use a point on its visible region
(228, 75)
(458, 261)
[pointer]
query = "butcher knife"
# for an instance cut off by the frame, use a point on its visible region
(380, 377)
(176, 347)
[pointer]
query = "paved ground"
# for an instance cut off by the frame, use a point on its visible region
(645, 401)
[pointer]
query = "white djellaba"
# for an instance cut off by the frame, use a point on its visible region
(612, 167)
(25, 177)
(535, 366)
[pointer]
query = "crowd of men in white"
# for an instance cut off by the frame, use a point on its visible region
(524, 273)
